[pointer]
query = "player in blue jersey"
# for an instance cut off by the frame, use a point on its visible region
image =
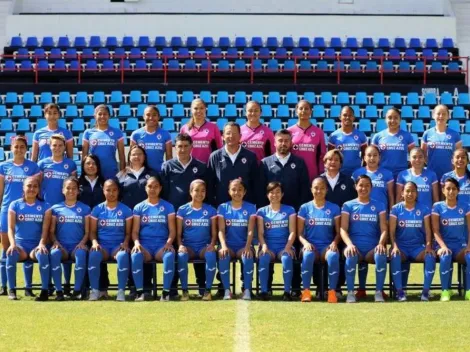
(103, 140)
(28, 230)
(54, 170)
(318, 226)
(451, 228)
(13, 172)
(350, 141)
(439, 142)
(69, 236)
(41, 138)
(110, 232)
(411, 237)
(364, 231)
(196, 236)
(276, 233)
(460, 173)
(424, 178)
(394, 144)
(155, 140)
(153, 233)
(237, 221)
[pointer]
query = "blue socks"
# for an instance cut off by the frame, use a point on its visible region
(122, 258)
(445, 263)
(137, 260)
(395, 266)
(467, 272)
(287, 271)
(80, 267)
(380, 270)
(183, 269)
(263, 269)
(44, 270)
(10, 267)
(363, 269)
(3, 269)
(94, 269)
(332, 258)
(224, 270)
(211, 263)
(67, 269)
(429, 269)
(350, 268)
(248, 267)
(28, 268)
(308, 258)
(405, 273)
(168, 270)
(56, 258)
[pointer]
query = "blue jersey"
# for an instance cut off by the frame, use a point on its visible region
(13, 176)
(424, 181)
(319, 223)
(452, 222)
(153, 222)
(350, 145)
(364, 221)
(381, 178)
(464, 185)
(111, 223)
(42, 137)
(276, 225)
(70, 222)
(196, 225)
(54, 174)
(393, 149)
(154, 144)
(440, 147)
(236, 223)
(410, 230)
(29, 220)
(104, 145)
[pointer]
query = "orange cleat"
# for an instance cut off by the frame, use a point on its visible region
(332, 296)
(306, 296)
(360, 294)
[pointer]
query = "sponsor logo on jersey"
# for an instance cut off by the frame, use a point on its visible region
(445, 222)
(401, 223)
(355, 216)
(61, 218)
(311, 222)
(21, 217)
(267, 225)
(187, 222)
(244, 144)
(228, 222)
(145, 219)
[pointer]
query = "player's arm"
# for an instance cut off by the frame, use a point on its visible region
(435, 192)
(125, 244)
(382, 246)
(46, 225)
(351, 249)
(86, 234)
(262, 242)
(428, 232)
(249, 239)
(179, 235)
(95, 246)
(122, 157)
(213, 230)
(2, 187)
(135, 234)
(171, 233)
(69, 149)
(11, 231)
(35, 152)
(337, 224)
(221, 226)
(392, 222)
(301, 233)
(292, 235)
(435, 221)
(168, 150)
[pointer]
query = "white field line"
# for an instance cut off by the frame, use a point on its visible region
(242, 328)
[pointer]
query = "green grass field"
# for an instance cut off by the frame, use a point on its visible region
(26, 325)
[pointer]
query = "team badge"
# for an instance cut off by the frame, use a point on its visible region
(267, 225)
(79, 210)
(66, 166)
(21, 217)
(162, 208)
(111, 133)
(445, 222)
(401, 223)
(292, 166)
(379, 176)
(244, 160)
(159, 136)
(194, 170)
(26, 169)
(356, 137)
(425, 179)
(284, 214)
(460, 211)
(400, 138)
(327, 212)
(372, 208)
(228, 222)
(382, 146)
(103, 222)
(187, 222)
(39, 208)
(205, 212)
(311, 222)
(147, 177)
(62, 219)
(119, 213)
(295, 147)
(418, 212)
(245, 212)
(313, 134)
(343, 187)
(448, 136)
(94, 142)
(145, 219)
(206, 131)
(261, 132)
(355, 216)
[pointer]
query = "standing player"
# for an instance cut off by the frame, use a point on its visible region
(318, 226)
(54, 170)
(460, 173)
(69, 236)
(155, 140)
(205, 134)
(364, 231)
(394, 144)
(276, 232)
(451, 228)
(13, 172)
(153, 233)
(411, 237)
(29, 220)
(103, 140)
(350, 141)
(196, 236)
(236, 224)
(439, 142)
(42, 137)
(256, 137)
(110, 232)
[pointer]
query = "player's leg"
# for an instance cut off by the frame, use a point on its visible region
(94, 271)
(137, 265)
(57, 255)
(168, 259)
(396, 260)
(247, 274)
(264, 260)
(11, 264)
(332, 259)
(464, 258)
(445, 263)
(79, 256)
(287, 273)
(224, 270)
(122, 258)
(380, 261)
(350, 271)
(183, 258)
(44, 270)
(211, 265)
(308, 259)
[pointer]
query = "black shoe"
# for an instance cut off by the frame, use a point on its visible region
(51, 292)
(28, 292)
(286, 297)
(75, 295)
(133, 294)
(220, 293)
(43, 296)
(173, 293)
(264, 296)
(60, 296)
(67, 290)
(3, 291)
(12, 295)
(296, 294)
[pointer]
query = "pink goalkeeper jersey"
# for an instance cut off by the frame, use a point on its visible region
(309, 144)
(203, 137)
(256, 139)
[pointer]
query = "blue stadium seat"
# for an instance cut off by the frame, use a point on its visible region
(157, 65)
(467, 127)
(151, 54)
(419, 67)
(395, 99)
(35, 111)
(466, 140)
(206, 96)
(415, 43)
(404, 125)
(394, 54)
(281, 53)
(6, 125)
(361, 98)
(274, 98)
(355, 66)
(329, 125)
(297, 53)
(313, 54)
(71, 111)
(417, 126)
(240, 65)
(192, 42)
(272, 66)
(11, 98)
(338, 65)
(291, 98)
(95, 42)
(329, 54)
(2, 154)
(388, 67)
(162, 109)
(79, 43)
(59, 65)
(240, 43)
(222, 97)
(430, 99)
(458, 112)
(442, 55)
(380, 125)
(16, 42)
(17, 111)
(371, 66)
(362, 54)
(319, 111)
(288, 43)
(160, 42)
(378, 98)
(319, 43)
(88, 111)
(132, 124)
(455, 125)
(135, 97)
(221, 122)
(371, 112)
(111, 42)
(427, 54)
(283, 111)
(230, 110)
(304, 43)
(169, 124)
(272, 43)
(413, 99)
(410, 54)
(98, 98)
(310, 97)
(326, 98)
(78, 125)
(200, 53)
(240, 97)
(178, 110)
(28, 98)
(336, 43)
(207, 43)
(266, 111)
(26, 65)
(213, 110)
(335, 111)
(351, 43)
(289, 65)
(343, 98)
(9, 65)
(232, 53)
(40, 123)
(306, 65)
(291, 122)
(446, 99)
(3, 111)
(431, 43)
(116, 97)
(383, 43)
(436, 67)
(257, 96)
(124, 111)
(176, 42)
(171, 97)
(365, 125)
(407, 112)
(153, 97)
(187, 97)
(91, 65)
(462, 99)
(8, 136)
(275, 124)
(55, 53)
(424, 112)
(32, 43)
(23, 125)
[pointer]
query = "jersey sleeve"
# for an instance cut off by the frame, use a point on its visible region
(401, 178)
(36, 137)
(181, 212)
(212, 212)
(335, 211)
(436, 209)
(346, 208)
(86, 135)
(13, 206)
(425, 137)
(170, 208)
(41, 165)
(381, 207)
(184, 129)
(362, 138)
(166, 137)
(426, 211)
(332, 140)
(118, 135)
(47, 206)
(303, 212)
(2, 169)
(68, 135)
(221, 210)
(127, 212)
(73, 166)
(375, 139)
(137, 211)
(394, 211)
(134, 136)
(388, 176)
(54, 210)
(252, 210)
(432, 177)
(86, 210)
(96, 212)
(35, 168)
(409, 139)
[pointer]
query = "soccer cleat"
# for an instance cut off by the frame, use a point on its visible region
(467, 295)
(12, 295)
(60, 296)
(445, 296)
(104, 295)
(306, 296)
(339, 294)
(3, 291)
(227, 295)
(165, 296)
(379, 297)
(401, 296)
(332, 297)
(286, 297)
(296, 294)
(425, 296)
(185, 296)
(28, 292)
(75, 295)
(67, 290)
(207, 296)
(246, 295)
(264, 296)
(361, 294)
(43, 296)
(139, 297)
(121, 296)
(51, 291)
(351, 297)
(94, 295)
(132, 293)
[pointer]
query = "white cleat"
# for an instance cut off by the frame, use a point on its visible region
(379, 297)
(227, 295)
(246, 295)
(121, 296)
(351, 297)
(94, 295)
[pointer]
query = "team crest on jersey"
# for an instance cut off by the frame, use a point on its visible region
(292, 166)
(328, 211)
(206, 131)
(295, 147)
(244, 144)
(340, 147)
(372, 208)
(26, 169)
(261, 132)
(159, 136)
(401, 223)
(267, 225)
(432, 145)
(448, 136)
(61, 218)
(48, 174)
(79, 210)
(39, 208)
(418, 212)
(9, 178)
(313, 134)
(21, 217)
(244, 160)
(460, 211)
(245, 212)
(311, 222)
(343, 187)
(284, 214)
(147, 177)
(400, 138)
(94, 142)
(194, 170)
(145, 219)
(382, 146)
(187, 222)
(379, 176)
(228, 222)
(42, 142)
(66, 166)
(356, 138)
(102, 222)
(445, 222)
(205, 212)
(111, 133)
(355, 216)
(119, 213)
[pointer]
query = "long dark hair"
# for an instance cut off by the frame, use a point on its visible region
(135, 146)
(82, 179)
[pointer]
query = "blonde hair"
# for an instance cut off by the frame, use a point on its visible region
(57, 137)
(331, 153)
(191, 121)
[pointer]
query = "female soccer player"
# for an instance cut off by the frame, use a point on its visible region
(350, 141)
(318, 226)
(451, 228)
(394, 144)
(103, 141)
(308, 140)
(153, 233)
(411, 237)
(42, 137)
(237, 221)
(424, 178)
(257, 137)
(439, 142)
(54, 170)
(13, 172)
(205, 134)
(110, 232)
(91, 182)
(155, 140)
(460, 173)
(29, 220)
(196, 236)
(69, 236)
(364, 231)
(276, 234)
